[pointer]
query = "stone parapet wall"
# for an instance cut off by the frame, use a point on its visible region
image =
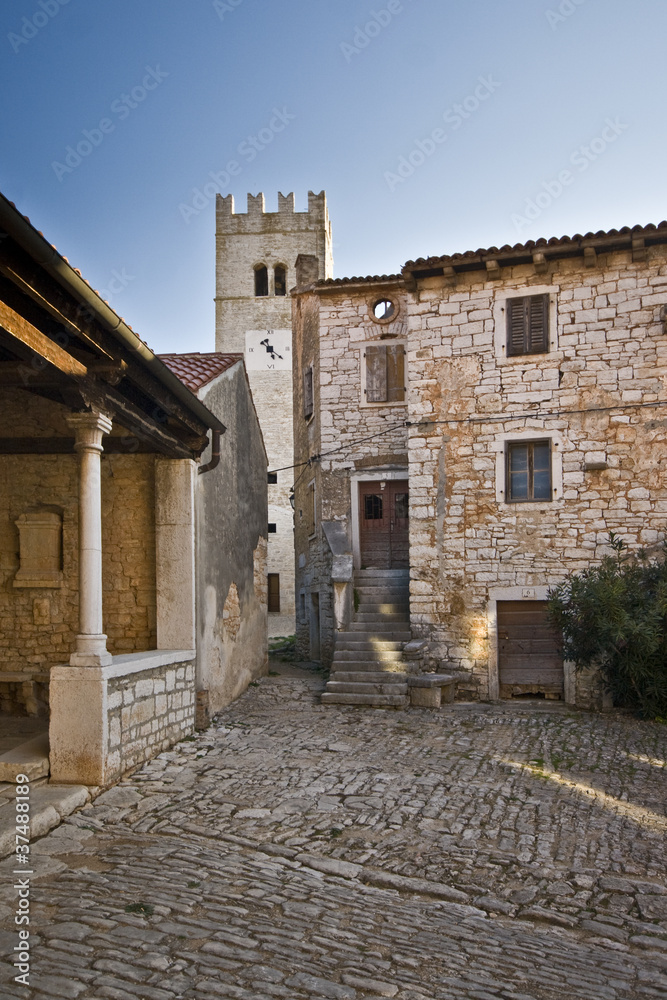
(106, 720)
(148, 712)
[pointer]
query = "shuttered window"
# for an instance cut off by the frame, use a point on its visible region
(274, 592)
(308, 392)
(528, 325)
(528, 471)
(385, 373)
(310, 509)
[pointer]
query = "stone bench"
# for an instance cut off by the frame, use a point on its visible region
(431, 690)
(25, 691)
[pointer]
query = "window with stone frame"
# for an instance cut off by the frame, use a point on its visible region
(527, 325)
(528, 474)
(385, 373)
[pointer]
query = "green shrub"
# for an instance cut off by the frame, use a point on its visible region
(614, 616)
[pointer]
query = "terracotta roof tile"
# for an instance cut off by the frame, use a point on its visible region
(555, 243)
(196, 370)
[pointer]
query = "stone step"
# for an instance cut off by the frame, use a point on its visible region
(385, 574)
(377, 617)
(30, 758)
(390, 666)
(377, 632)
(372, 700)
(383, 655)
(373, 590)
(362, 640)
(383, 608)
(368, 677)
(347, 687)
(49, 804)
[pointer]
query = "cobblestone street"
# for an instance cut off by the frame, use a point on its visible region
(510, 851)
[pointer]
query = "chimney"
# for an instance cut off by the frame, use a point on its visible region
(307, 269)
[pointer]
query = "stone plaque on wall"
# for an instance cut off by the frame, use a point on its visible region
(40, 548)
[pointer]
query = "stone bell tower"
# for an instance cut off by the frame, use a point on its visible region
(256, 254)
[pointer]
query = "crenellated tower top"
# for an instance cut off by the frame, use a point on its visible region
(286, 218)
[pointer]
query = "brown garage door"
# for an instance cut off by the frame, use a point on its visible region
(528, 658)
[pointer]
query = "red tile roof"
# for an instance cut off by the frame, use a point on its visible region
(563, 243)
(196, 370)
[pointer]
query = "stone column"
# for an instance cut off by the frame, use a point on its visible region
(91, 643)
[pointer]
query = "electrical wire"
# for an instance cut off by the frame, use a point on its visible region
(470, 418)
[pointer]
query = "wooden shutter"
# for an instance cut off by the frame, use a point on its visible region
(308, 392)
(528, 325)
(538, 324)
(395, 373)
(516, 326)
(274, 592)
(376, 373)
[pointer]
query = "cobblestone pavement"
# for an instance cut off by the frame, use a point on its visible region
(512, 852)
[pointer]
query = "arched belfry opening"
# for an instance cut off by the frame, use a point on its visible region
(280, 280)
(261, 280)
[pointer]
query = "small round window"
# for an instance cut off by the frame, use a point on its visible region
(384, 309)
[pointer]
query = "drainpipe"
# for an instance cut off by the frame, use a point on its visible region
(215, 453)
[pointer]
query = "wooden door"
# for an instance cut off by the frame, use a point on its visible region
(528, 658)
(383, 529)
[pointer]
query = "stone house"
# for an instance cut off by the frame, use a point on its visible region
(116, 606)
(480, 422)
(256, 252)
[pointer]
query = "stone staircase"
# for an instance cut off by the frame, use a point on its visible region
(367, 666)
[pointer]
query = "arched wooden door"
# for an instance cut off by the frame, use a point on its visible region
(383, 524)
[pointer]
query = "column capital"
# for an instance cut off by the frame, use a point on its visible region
(88, 429)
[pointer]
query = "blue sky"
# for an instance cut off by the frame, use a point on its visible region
(435, 126)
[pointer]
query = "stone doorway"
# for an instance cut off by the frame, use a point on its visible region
(383, 524)
(529, 662)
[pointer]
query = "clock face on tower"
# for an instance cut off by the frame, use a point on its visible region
(268, 350)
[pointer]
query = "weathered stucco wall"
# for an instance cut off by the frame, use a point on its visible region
(591, 396)
(231, 547)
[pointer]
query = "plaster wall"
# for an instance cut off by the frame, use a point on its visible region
(231, 504)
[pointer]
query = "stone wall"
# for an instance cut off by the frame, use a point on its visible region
(243, 240)
(231, 547)
(38, 624)
(106, 720)
(332, 327)
(148, 712)
(591, 395)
